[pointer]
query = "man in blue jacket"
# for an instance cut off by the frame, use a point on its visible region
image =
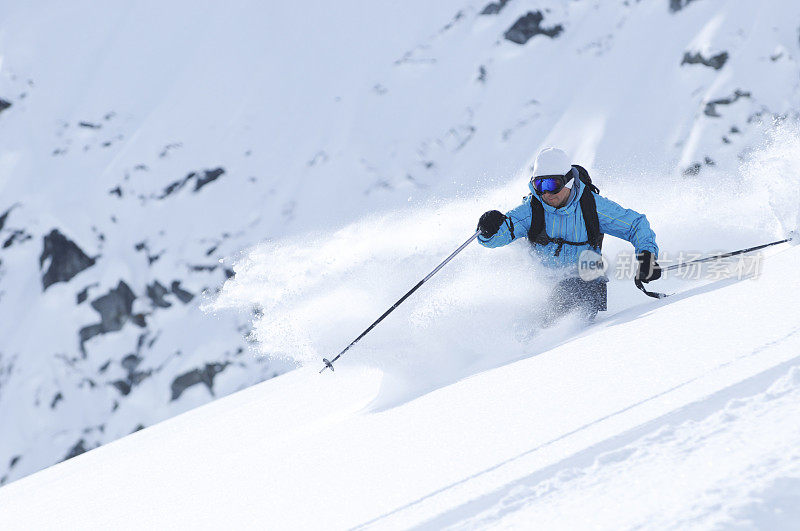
(561, 218)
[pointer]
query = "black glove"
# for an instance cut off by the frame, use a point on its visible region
(648, 267)
(490, 223)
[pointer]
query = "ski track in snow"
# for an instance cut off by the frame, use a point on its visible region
(746, 449)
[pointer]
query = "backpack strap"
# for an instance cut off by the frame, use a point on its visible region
(537, 232)
(589, 208)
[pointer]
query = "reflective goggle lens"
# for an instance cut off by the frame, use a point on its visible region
(548, 184)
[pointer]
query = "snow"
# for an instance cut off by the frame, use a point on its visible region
(604, 429)
(358, 156)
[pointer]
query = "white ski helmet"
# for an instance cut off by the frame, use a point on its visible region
(551, 161)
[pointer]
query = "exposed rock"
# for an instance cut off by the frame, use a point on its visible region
(142, 246)
(56, 399)
(78, 449)
(529, 26)
(692, 170)
(134, 377)
(711, 106)
(168, 148)
(130, 362)
(67, 259)
(175, 186)
(89, 125)
(84, 293)
(122, 386)
(716, 61)
(115, 310)
(482, 74)
(14, 461)
(494, 8)
(458, 16)
(208, 177)
(205, 376)
(183, 295)
(4, 217)
(203, 268)
(677, 5)
(156, 292)
(115, 307)
(4, 104)
(16, 236)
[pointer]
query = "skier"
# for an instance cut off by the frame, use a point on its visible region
(563, 216)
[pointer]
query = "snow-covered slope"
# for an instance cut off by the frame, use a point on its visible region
(358, 145)
(693, 428)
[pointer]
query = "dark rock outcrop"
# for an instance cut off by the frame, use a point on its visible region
(84, 293)
(175, 186)
(183, 295)
(130, 362)
(529, 26)
(711, 106)
(205, 376)
(115, 309)
(18, 236)
(156, 292)
(78, 449)
(4, 217)
(677, 5)
(56, 399)
(4, 104)
(494, 7)
(208, 177)
(693, 169)
(716, 61)
(66, 259)
(134, 377)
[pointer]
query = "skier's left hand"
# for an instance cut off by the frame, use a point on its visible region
(648, 267)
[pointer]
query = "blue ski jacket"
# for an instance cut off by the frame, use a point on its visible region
(567, 222)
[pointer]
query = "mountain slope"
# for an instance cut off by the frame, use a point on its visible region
(329, 156)
(515, 442)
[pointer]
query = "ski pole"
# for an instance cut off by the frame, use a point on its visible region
(724, 255)
(706, 259)
(329, 364)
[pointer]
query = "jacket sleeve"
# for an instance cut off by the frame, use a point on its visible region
(516, 225)
(626, 224)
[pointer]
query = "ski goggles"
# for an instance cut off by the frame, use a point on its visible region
(548, 184)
